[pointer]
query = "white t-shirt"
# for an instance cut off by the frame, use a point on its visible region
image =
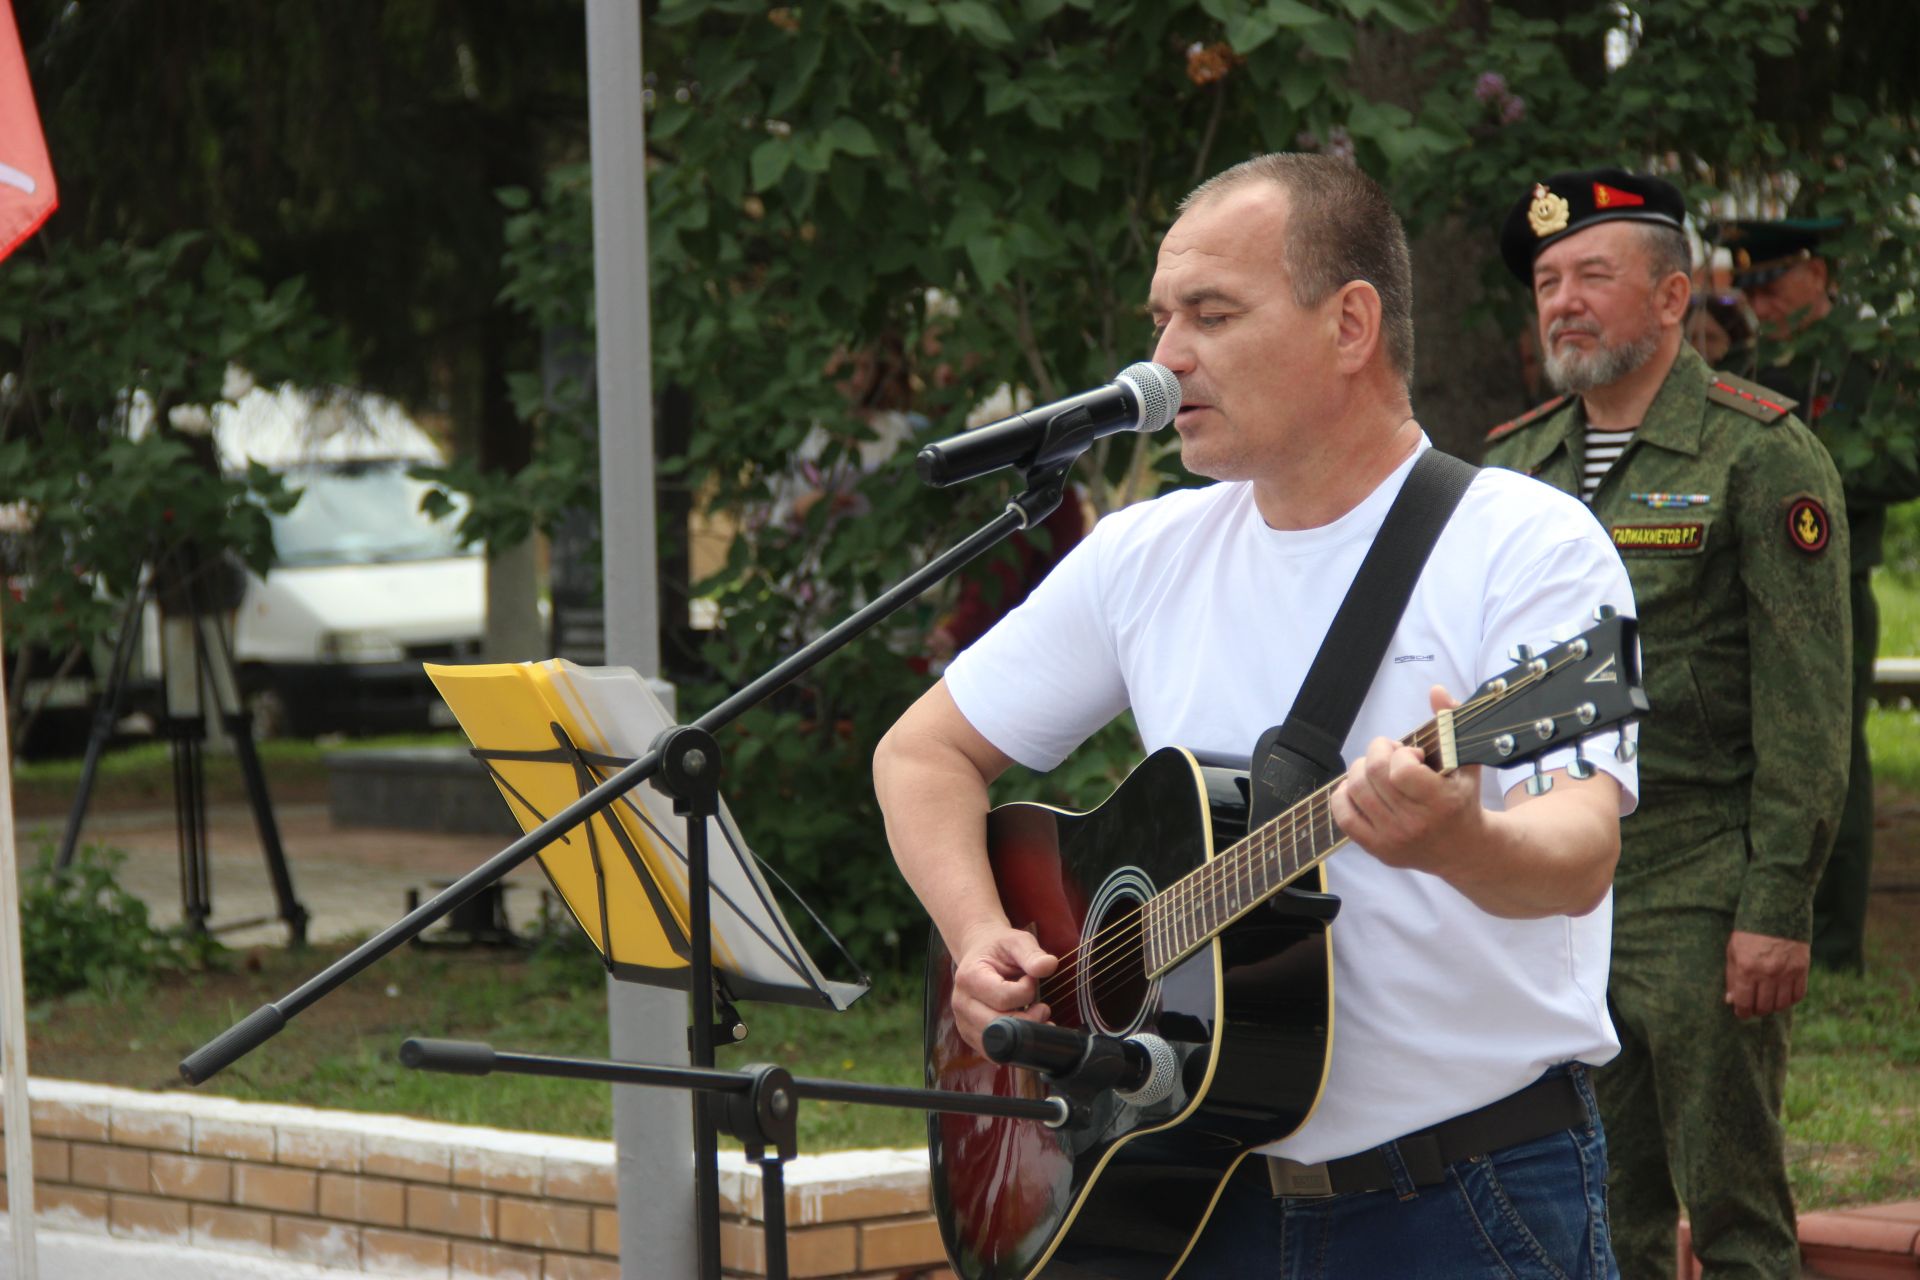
(1190, 610)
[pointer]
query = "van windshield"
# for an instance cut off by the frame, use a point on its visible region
(361, 513)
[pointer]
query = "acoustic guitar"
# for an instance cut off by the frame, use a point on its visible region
(1179, 928)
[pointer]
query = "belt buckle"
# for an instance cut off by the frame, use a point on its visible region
(1293, 1180)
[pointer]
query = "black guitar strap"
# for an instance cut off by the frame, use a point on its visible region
(1298, 756)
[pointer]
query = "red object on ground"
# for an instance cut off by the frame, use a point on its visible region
(1867, 1242)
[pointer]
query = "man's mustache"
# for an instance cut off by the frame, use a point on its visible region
(1560, 328)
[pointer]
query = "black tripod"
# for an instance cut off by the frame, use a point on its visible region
(197, 677)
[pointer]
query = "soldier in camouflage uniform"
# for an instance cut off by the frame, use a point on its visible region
(1726, 511)
(1788, 282)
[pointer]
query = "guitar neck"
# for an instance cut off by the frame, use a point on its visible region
(1193, 910)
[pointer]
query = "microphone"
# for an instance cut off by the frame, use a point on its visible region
(1140, 1069)
(1144, 397)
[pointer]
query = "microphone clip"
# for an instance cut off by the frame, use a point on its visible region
(1140, 1070)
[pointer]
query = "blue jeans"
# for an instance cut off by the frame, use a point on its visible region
(1537, 1209)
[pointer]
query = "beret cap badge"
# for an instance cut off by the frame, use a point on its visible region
(1548, 213)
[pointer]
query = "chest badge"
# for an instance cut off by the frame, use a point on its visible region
(1808, 526)
(1660, 501)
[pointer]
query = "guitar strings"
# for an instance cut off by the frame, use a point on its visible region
(1109, 949)
(1102, 957)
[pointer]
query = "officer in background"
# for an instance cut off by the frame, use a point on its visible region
(1725, 510)
(1790, 286)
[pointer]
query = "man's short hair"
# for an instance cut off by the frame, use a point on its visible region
(1667, 251)
(1340, 228)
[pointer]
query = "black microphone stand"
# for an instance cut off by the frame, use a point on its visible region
(684, 762)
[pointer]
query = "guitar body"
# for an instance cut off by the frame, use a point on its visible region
(1249, 1016)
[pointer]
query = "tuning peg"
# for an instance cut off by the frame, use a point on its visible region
(1604, 612)
(1624, 750)
(1520, 653)
(1539, 784)
(1579, 767)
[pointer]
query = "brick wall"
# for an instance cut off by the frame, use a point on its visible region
(398, 1197)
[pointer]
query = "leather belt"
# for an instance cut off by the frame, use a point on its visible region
(1546, 1106)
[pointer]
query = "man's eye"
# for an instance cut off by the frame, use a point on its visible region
(1211, 322)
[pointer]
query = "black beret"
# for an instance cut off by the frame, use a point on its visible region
(1765, 250)
(1569, 202)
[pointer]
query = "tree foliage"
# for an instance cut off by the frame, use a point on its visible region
(886, 205)
(877, 207)
(354, 147)
(92, 339)
(1742, 104)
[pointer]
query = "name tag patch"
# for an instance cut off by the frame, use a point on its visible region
(1687, 536)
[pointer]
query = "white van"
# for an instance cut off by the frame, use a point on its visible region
(365, 587)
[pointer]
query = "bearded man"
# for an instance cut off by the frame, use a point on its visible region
(1727, 512)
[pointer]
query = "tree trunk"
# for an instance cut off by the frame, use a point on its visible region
(1467, 372)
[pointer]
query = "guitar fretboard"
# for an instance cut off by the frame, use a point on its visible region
(1191, 911)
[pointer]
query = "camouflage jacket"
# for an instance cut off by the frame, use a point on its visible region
(1836, 402)
(1727, 513)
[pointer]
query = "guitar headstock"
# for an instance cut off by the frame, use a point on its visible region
(1570, 692)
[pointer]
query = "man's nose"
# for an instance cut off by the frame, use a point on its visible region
(1563, 303)
(1172, 349)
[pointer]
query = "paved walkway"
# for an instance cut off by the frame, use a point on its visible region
(64, 1255)
(351, 880)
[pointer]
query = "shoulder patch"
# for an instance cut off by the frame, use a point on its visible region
(1808, 527)
(1762, 404)
(1533, 414)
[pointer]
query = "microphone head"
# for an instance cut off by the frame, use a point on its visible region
(1159, 393)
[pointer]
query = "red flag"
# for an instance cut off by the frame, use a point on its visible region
(27, 194)
(1606, 197)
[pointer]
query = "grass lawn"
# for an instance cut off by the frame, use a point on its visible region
(1853, 1098)
(342, 1051)
(139, 775)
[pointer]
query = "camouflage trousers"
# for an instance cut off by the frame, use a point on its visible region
(1692, 1105)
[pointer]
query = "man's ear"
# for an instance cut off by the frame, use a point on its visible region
(1356, 326)
(1671, 298)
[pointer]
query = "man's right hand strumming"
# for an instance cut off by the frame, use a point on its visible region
(997, 973)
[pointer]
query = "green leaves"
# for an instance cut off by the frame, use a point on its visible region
(106, 338)
(1249, 24)
(976, 19)
(768, 163)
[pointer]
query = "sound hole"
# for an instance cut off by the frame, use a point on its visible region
(1115, 993)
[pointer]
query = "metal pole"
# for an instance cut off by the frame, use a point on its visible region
(652, 1129)
(13, 1029)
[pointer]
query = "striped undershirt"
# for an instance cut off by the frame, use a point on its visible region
(1603, 449)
